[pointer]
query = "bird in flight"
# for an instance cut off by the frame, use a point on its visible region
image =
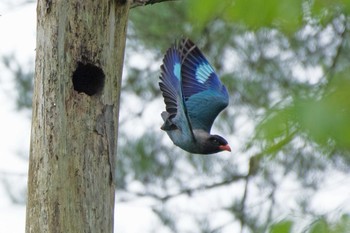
(193, 96)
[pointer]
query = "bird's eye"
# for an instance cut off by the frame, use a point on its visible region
(214, 140)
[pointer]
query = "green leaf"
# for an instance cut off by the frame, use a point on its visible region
(325, 10)
(320, 226)
(328, 119)
(287, 15)
(282, 227)
(200, 12)
(277, 124)
(343, 225)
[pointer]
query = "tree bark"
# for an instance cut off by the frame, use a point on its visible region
(79, 59)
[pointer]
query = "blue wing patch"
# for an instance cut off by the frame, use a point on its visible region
(196, 72)
(176, 115)
(170, 80)
(205, 96)
(177, 70)
(203, 72)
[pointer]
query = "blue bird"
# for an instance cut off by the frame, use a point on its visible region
(193, 96)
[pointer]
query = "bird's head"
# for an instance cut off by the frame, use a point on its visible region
(216, 143)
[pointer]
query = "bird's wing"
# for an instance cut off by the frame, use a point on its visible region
(170, 86)
(205, 96)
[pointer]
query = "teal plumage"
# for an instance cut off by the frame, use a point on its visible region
(193, 96)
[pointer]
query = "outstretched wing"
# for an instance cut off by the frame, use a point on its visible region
(176, 113)
(170, 80)
(205, 96)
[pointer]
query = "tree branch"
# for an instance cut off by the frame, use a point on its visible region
(342, 37)
(328, 75)
(136, 3)
(243, 202)
(189, 190)
(254, 165)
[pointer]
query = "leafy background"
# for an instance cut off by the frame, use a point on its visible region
(286, 66)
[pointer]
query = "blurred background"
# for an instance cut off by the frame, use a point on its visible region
(286, 65)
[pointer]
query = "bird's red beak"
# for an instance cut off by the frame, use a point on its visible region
(225, 147)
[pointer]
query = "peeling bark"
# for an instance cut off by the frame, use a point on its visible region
(74, 132)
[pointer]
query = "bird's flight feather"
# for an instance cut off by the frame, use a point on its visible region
(205, 96)
(171, 88)
(193, 93)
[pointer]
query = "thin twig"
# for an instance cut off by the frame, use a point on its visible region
(332, 68)
(339, 49)
(136, 3)
(272, 204)
(244, 199)
(189, 191)
(254, 164)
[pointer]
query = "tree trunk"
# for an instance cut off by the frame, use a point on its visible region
(79, 59)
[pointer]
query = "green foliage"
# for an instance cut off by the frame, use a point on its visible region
(324, 118)
(328, 119)
(324, 225)
(254, 14)
(286, 15)
(326, 10)
(320, 226)
(277, 125)
(342, 225)
(282, 227)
